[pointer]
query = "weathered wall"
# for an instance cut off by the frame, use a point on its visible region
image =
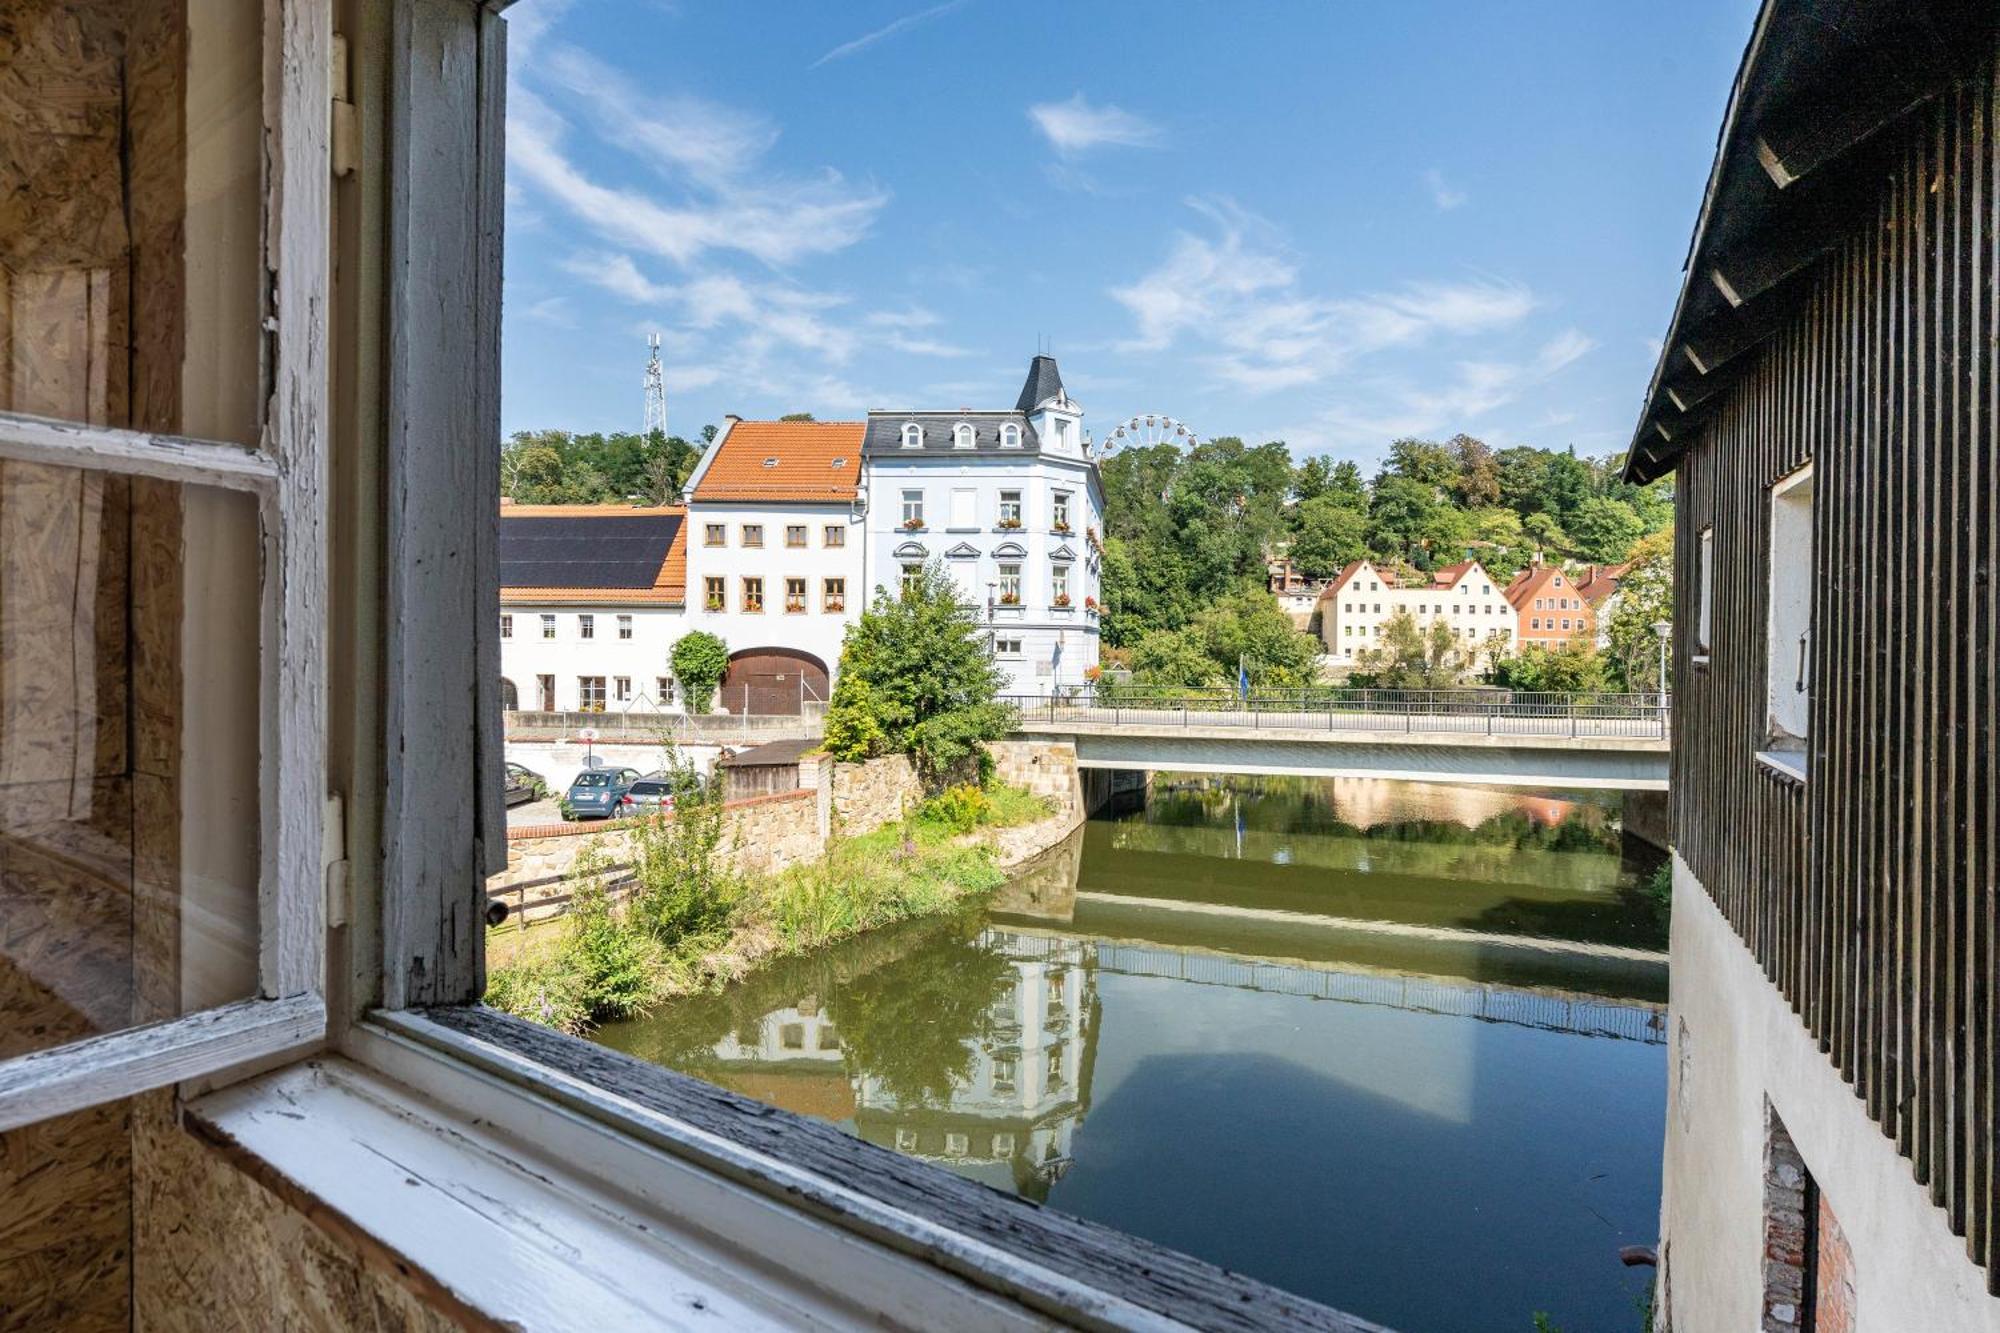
(1733, 1041)
(867, 796)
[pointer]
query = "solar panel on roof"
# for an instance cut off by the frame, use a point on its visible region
(578, 551)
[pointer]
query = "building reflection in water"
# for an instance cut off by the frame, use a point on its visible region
(995, 1088)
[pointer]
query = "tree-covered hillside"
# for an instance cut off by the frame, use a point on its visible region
(1186, 532)
(556, 467)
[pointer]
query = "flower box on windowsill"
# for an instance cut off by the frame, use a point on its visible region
(1060, 529)
(913, 525)
(836, 604)
(1009, 525)
(1009, 599)
(714, 604)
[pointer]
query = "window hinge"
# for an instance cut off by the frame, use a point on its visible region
(346, 122)
(333, 857)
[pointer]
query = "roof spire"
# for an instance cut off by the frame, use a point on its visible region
(1044, 382)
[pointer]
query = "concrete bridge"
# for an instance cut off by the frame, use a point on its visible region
(1496, 737)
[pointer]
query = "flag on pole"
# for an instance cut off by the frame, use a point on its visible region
(1242, 680)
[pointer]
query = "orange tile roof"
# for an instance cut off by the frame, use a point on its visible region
(785, 462)
(1450, 574)
(669, 585)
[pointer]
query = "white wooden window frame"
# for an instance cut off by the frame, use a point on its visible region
(286, 475)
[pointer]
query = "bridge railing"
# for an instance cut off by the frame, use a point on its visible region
(1334, 708)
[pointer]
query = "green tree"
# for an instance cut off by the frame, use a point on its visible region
(853, 728)
(1176, 657)
(796, 416)
(1575, 667)
(1603, 530)
(1546, 533)
(1312, 479)
(1645, 597)
(534, 473)
(1478, 481)
(931, 686)
(1413, 657)
(1423, 461)
(1398, 514)
(1346, 486)
(1249, 628)
(700, 660)
(1329, 534)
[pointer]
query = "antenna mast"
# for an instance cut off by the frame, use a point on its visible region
(656, 390)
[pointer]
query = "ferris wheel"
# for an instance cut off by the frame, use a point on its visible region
(1144, 431)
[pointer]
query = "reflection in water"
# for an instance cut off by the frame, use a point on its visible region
(1394, 1046)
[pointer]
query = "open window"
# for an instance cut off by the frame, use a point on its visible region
(1704, 592)
(1789, 626)
(162, 473)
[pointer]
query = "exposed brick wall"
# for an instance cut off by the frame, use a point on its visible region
(1808, 1269)
(1833, 1273)
(1785, 1230)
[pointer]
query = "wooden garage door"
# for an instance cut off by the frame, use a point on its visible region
(772, 680)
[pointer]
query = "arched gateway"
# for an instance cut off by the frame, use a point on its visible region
(772, 680)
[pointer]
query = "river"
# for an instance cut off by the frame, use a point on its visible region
(1398, 1047)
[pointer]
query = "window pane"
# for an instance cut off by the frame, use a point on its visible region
(129, 741)
(129, 215)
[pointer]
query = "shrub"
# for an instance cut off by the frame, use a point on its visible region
(542, 988)
(618, 967)
(684, 891)
(853, 730)
(699, 659)
(961, 808)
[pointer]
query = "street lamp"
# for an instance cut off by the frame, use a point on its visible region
(1660, 629)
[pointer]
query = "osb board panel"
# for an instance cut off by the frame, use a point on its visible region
(92, 210)
(214, 1249)
(65, 1229)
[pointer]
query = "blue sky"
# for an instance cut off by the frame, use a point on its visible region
(1331, 224)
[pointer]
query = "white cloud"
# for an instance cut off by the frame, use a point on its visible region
(1442, 194)
(868, 39)
(552, 310)
(1076, 126)
(1235, 292)
(717, 194)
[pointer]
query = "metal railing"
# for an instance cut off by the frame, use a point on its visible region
(637, 728)
(1645, 715)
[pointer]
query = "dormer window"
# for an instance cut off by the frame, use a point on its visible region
(913, 435)
(1010, 436)
(961, 436)
(771, 462)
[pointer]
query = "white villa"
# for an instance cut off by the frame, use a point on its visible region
(1011, 502)
(1356, 605)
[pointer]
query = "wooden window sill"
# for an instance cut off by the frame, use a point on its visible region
(781, 1218)
(1788, 764)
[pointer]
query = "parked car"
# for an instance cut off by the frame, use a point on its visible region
(523, 785)
(596, 792)
(650, 795)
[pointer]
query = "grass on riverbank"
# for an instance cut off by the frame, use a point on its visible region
(608, 960)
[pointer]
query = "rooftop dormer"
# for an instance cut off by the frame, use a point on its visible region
(1057, 419)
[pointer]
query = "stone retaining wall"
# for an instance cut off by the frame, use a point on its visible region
(767, 834)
